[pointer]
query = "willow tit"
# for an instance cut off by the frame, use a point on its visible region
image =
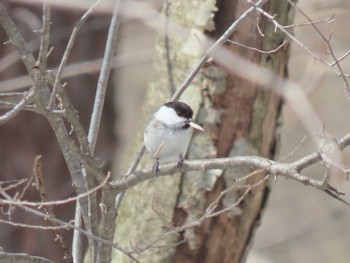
(168, 133)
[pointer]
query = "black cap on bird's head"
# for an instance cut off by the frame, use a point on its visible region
(184, 111)
(181, 109)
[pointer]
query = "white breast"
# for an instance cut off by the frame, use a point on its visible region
(164, 142)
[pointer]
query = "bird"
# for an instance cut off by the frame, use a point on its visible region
(168, 133)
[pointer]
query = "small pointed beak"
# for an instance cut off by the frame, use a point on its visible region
(196, 126)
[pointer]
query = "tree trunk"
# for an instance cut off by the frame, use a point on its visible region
(240, 118)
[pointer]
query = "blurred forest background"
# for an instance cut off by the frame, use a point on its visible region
(299, 223)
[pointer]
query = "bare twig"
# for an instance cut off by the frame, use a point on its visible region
(62, 224)
(25, 188)
(37, 171)
(291, 170)
(341, 58)
(34, 226)
(256, 49)
(327, 20)
(209, 213)
(108, 220)
(330, 48)
(11, 58)
(103, 78)
(52, 203)
(213, 49)
(12, 184)
(45, 38)
(77, 244)
(67, 52)
(286, 32)
(248, 189)
(17, 108)
(169, 64)
(296, 148)
(22, 258)
(9, 105)
(79, 68)
(12, 94)
(131, 169)
(339, 72)
(17, 40)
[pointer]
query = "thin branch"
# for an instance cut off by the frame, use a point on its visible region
(21, 258)
(63, 224)
(80, 68)
(57, 202)
(45, 38)
(341, 58)
(296, 148)
(209, 213)
(286, 32)
(339, 72)
(10, 105)
(103, 78)
(12, 184)
(327, 20)
(17, 40)
(288, 170)
(330, 48)
(39, 179)
(11, 58)
(131, 169)
(68, 51)
(77, 240)
(107, 223)
(213, 49)
(169, 64)
(256, 49)
(33, 226)
(25, 188)
(248, 189)
(12, 94)
(18, 108)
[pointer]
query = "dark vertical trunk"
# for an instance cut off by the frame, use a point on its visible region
(248, 126)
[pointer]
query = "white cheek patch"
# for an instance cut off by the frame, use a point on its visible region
(168, 116)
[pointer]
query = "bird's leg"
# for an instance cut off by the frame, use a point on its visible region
(180, 162)
(156, 166)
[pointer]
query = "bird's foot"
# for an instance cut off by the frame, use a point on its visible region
(180, 162)
(156, 166)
